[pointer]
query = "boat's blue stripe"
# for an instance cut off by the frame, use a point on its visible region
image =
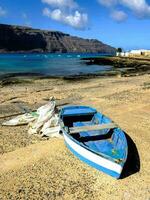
(92, 164)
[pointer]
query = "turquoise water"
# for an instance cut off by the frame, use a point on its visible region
(49, 64)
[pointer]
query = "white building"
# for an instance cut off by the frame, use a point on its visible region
(122, 54)
(139, 52)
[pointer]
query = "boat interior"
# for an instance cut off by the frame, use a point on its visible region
(111, 143)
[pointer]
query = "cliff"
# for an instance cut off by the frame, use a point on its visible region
(26, 39)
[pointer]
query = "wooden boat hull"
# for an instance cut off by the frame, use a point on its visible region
(95, 161)
(98, 160)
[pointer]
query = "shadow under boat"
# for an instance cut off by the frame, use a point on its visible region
(132, 164)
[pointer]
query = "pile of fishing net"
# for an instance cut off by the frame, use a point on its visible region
(43, 121)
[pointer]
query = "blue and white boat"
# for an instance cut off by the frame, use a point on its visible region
(94, 139)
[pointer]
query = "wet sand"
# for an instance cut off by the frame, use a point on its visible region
(35, 168)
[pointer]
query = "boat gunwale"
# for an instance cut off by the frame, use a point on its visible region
(91, 150)
(77, 106)
(90, 162)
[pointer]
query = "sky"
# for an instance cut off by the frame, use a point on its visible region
(119, 23)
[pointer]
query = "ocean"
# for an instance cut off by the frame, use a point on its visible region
(48, 64)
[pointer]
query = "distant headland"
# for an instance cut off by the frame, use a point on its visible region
(25, 39)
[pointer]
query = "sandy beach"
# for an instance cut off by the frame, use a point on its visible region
(37, 168)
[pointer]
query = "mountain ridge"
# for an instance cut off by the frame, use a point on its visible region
(15, 38)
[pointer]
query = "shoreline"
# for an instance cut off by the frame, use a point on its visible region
(123, 67)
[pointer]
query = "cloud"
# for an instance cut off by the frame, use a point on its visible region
(140, 8)
(27, 22)
(24, 16)
(107, 3)
(66, 12)
(76, 19)
(118, 15)
(61, 3)
(2, 12)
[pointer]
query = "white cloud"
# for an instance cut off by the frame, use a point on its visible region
(61, 3)
(76, 19)
(47, 12)
(107, 3)
(118, 15)
(2, 12)
(139, 7)
(66, 12)
(26, 19)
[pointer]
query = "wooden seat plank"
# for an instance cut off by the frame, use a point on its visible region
(74, 130)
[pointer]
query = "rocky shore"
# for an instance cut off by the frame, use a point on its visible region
(123, 66)
(37, 168)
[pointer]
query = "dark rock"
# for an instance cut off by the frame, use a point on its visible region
(125, 66)
(26, 39)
